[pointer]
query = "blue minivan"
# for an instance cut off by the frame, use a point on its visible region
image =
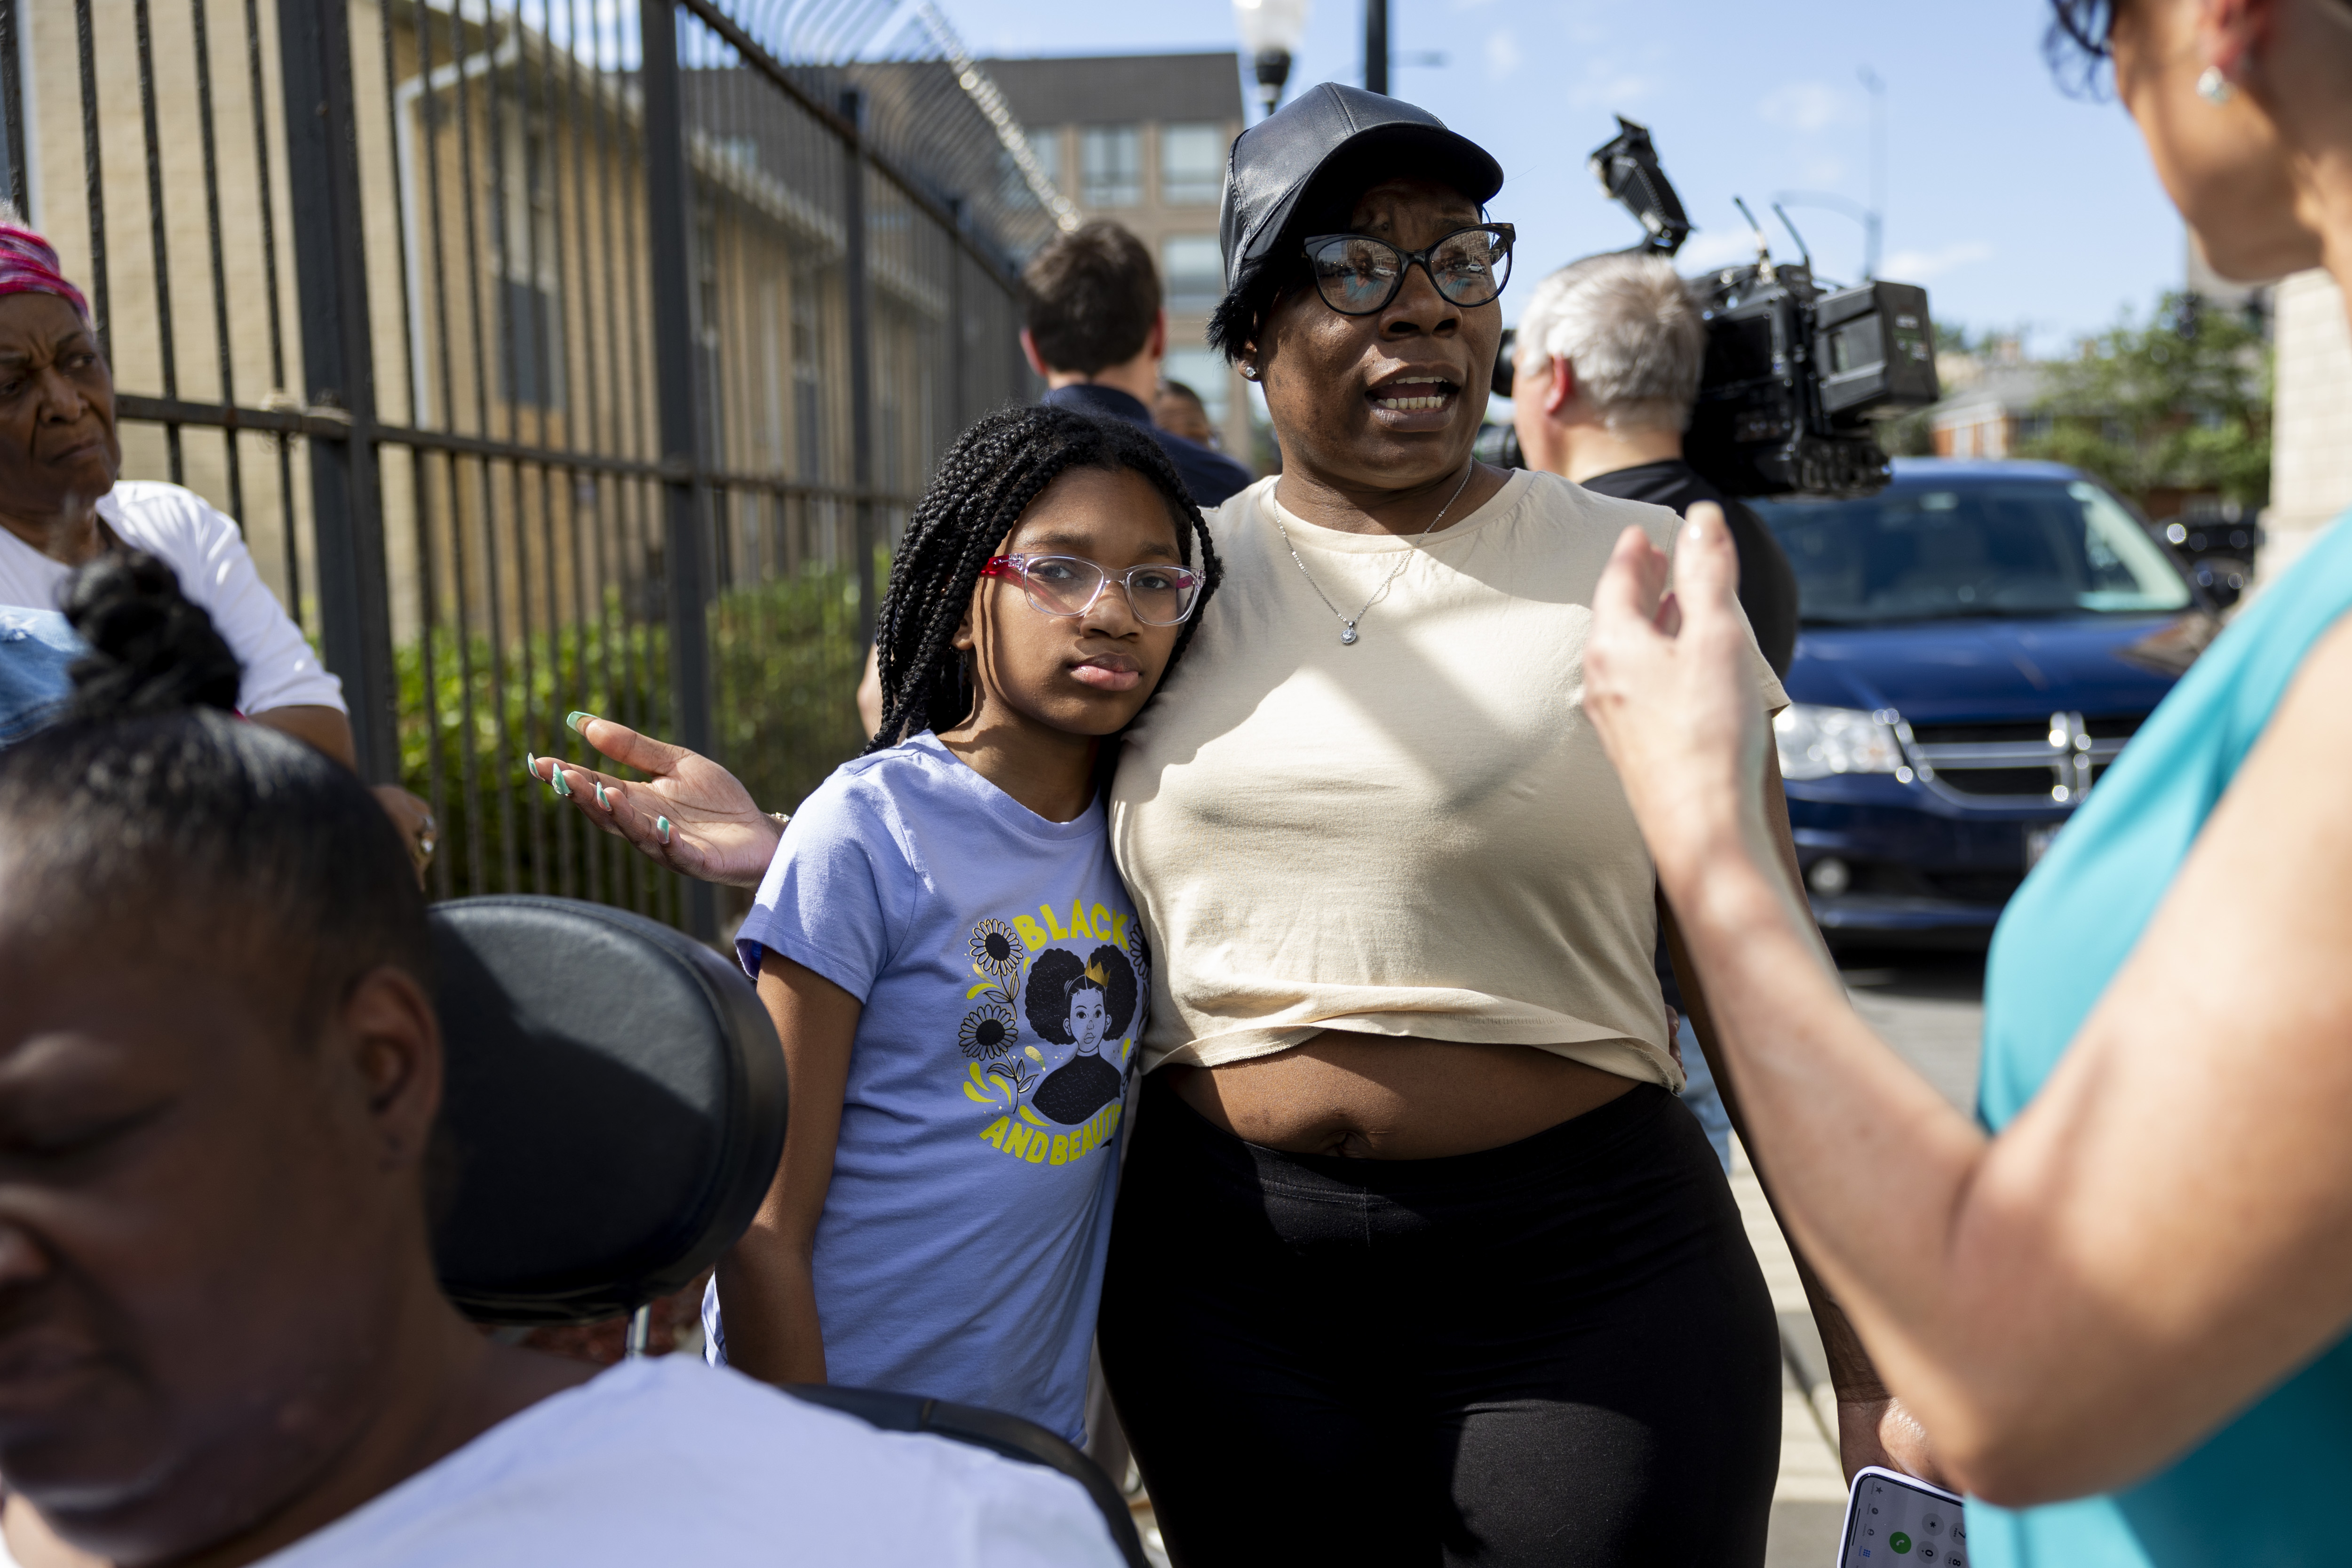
(1979, 640)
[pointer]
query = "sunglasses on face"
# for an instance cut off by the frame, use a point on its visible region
(1069, 586)
(1358, 274)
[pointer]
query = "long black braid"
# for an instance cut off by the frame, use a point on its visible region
(982, 485)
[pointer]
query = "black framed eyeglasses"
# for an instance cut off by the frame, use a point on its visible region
(1358, 274)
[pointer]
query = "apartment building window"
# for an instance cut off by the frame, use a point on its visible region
(522, 235)
(1192, 270)
(1111, 166)
(1191, 163)
(1046, 143)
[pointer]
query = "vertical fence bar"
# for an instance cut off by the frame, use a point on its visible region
(94, 179)
(331, 282)
(157, 232)
(12, 111)
(285, 446)
(420, 488)
(221, 349)
(861, 351)
(667, 199)
(493, 598)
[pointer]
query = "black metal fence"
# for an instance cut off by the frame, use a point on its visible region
(553, 355)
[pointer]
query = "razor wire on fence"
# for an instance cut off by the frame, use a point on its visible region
(552, 354)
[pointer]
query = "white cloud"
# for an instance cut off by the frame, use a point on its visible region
(1606, 88)
(1804, 106)
(1925, 265)
(1502, 53)
(1709, 248)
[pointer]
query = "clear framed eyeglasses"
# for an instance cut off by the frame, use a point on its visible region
(1358, 274)
(1161, 596)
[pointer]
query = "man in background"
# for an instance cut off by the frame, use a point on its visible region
(1095, 331)
(1181, 412)
(1609, 350)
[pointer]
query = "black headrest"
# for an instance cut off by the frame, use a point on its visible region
(615, 1101)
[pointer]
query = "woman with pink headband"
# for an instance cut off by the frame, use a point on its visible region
(61, 505)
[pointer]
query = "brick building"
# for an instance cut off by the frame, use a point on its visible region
(1141, 139)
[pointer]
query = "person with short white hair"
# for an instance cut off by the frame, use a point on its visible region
(1609, 352)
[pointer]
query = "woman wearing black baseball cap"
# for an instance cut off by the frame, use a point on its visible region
(1418, 1256)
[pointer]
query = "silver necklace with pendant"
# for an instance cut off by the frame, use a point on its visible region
(1346, 623)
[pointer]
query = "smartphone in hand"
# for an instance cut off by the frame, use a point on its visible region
(1893, 1520)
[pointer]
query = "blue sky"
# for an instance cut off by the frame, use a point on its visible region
(2014, 203)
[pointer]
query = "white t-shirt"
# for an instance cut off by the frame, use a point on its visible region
(1417, 834)
(666, 1460)
(204, 547)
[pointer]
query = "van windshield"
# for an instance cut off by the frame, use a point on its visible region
(1923, 551)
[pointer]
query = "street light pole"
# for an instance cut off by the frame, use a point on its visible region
(1376, 45)
(1877, 90)
(1271, 32)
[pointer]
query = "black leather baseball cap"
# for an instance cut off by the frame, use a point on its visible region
(1329, 145)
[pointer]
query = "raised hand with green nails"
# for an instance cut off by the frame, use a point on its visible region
(690, 815)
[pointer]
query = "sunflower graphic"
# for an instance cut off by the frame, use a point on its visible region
(996, 948)
(986, 1030)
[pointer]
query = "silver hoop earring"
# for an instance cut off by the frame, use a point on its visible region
(2214, 87)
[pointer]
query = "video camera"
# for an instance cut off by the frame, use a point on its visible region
(1796, 373)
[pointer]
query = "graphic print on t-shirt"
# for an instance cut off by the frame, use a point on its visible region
(1056, 1007)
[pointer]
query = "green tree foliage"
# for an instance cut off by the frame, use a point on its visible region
(2178, 402)
(785, 659)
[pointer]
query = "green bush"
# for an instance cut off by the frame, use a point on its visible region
(785, 659)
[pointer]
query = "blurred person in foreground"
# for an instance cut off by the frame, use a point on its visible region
(61, 505)
(1609, 352)
(2119, 1299)
(220, 1070)
(1179, 411)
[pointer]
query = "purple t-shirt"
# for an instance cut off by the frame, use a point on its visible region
(1004, 979)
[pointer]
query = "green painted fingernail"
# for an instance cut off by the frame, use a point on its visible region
(599, 795)
(661, 826)
(561, 787)
(574, 720)
(531, 764)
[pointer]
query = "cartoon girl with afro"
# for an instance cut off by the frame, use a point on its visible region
(1070, 1003)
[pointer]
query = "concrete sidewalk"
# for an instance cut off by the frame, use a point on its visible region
(1809, 1503)
(1930, 1007)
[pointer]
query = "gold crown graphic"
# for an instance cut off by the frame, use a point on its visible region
(1096, 972)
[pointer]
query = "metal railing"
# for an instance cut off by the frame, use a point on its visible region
(552, 356)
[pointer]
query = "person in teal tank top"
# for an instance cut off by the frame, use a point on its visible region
(2120, 1303)
(2060, 942)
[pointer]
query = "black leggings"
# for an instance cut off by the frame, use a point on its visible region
(1560, 1352)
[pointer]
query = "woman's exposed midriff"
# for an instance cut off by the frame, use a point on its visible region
(1381, 1097)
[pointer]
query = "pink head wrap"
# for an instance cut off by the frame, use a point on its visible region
(28, 265)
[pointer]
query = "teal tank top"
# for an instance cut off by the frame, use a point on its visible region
(2255, 1491)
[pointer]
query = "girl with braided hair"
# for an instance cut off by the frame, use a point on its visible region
(939, 1220)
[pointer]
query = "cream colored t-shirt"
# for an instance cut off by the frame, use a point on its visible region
(1416, 835)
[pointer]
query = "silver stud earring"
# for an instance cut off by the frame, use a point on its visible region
(2214, 87)
(1249, 373)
